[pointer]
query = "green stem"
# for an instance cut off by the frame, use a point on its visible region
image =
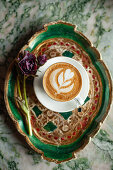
(18, 86)
(25, 95)
(26, 104)
(29, 124)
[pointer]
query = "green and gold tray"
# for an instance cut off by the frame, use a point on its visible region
(58, 136)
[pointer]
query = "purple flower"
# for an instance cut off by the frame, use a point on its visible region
(27, 63)
(42, 59)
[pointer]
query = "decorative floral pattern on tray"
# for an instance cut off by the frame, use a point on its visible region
(70, 125)
(59, 135)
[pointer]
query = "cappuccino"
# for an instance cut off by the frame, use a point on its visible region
(62, 81)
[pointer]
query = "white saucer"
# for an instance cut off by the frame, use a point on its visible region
(56, 105)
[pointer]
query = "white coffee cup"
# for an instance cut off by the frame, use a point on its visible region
(56, 105)
(62, 82)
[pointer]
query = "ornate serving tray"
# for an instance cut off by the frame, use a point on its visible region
(58, 136)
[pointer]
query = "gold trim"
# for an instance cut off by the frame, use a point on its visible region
(46, 28)
(60, 22)
(17, 124)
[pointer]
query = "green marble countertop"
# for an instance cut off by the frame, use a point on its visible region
(19, 20)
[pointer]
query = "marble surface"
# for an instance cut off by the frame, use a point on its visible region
(19, 20)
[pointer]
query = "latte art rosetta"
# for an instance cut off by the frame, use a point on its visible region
(62, 81)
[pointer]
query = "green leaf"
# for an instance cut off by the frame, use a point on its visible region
(24, 103)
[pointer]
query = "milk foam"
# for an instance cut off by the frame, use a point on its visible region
(68, 74)
(64, 79)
